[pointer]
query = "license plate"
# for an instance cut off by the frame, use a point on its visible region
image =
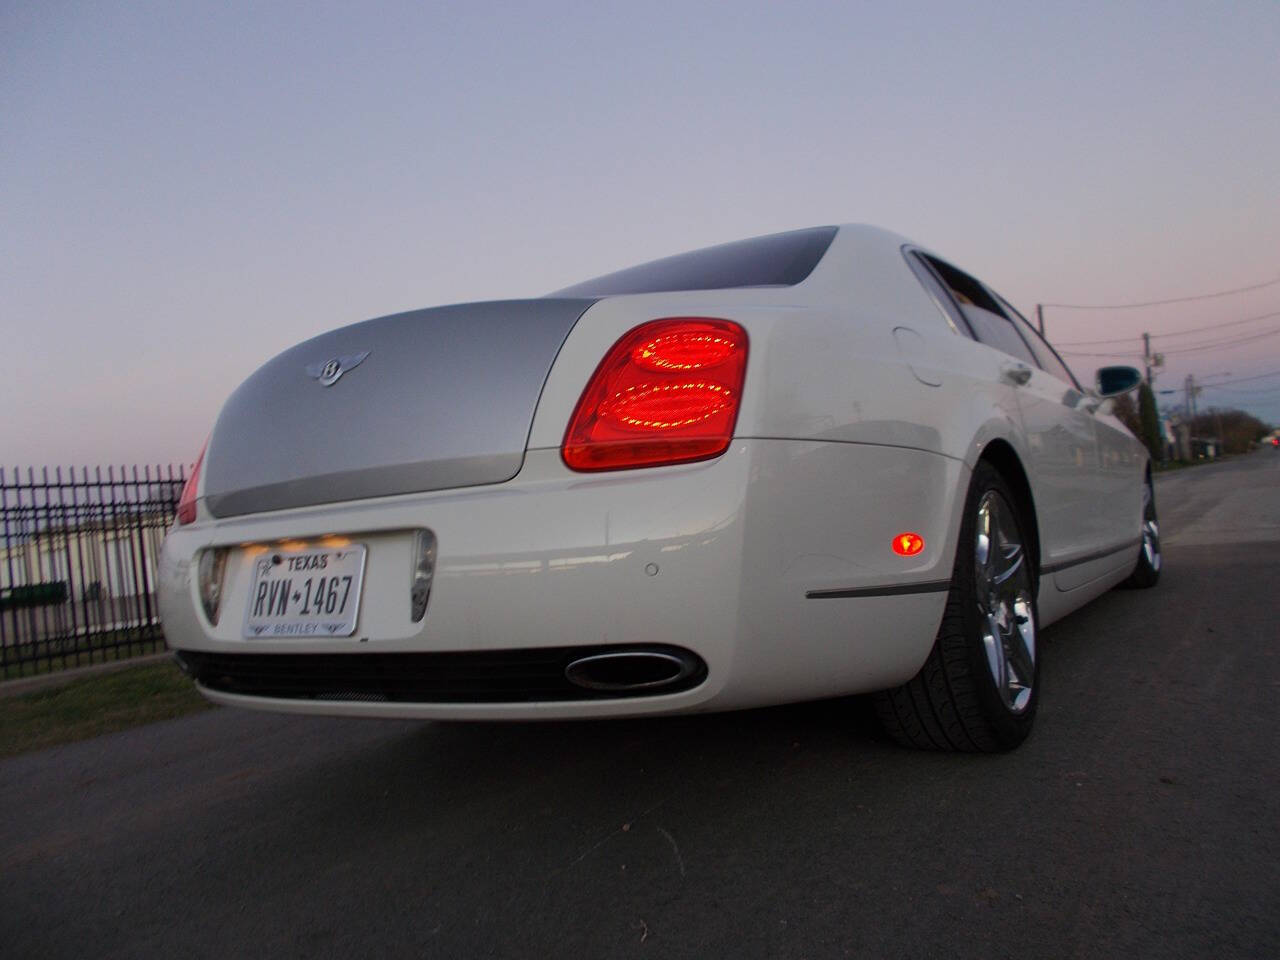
(307, 593)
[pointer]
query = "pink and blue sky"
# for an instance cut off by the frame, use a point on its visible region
(188, 188)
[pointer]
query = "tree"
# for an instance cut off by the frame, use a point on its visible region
(1149, 422)
(1126, 411)
(1234, 429)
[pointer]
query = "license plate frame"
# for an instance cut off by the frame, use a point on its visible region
(312, 592)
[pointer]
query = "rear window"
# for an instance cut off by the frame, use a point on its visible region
(778, 260)
(984, 316)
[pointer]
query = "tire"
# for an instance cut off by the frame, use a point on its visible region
(1147, 573)
(979, 688)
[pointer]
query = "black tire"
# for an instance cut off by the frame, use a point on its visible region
(958, 700)
(1150, 560)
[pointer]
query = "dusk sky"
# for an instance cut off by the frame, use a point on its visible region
(188, 188)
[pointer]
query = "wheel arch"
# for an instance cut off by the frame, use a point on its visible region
(1001, 455)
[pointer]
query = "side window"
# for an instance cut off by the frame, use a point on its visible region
(946, 306)
(984, 315)
(1046, 356)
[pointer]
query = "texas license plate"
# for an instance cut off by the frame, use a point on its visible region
(306, 593)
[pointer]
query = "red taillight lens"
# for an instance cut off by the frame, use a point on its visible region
(187, 501)
(667, 392)
(683, 349)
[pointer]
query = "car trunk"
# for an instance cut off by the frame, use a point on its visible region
(444, 398)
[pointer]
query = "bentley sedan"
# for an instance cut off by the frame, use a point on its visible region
(806, 465)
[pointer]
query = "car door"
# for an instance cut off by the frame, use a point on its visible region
(1059, 429)
(1112, 493)
(1121, 473)
(1115, 494)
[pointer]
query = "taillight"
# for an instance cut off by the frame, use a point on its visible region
(187, 502)
(667, 392)
(209, 573)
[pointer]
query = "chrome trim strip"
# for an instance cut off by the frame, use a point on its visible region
(901, 589)
(1089, 557)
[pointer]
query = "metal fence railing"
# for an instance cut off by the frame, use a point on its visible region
(78, 564)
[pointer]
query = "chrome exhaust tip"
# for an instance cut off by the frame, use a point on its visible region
(639, 671)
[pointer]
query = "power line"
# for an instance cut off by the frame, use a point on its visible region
(1263, 392)
(1077, 353)
(1208, 345)
(1160, 303)
(1218, 344)
(1260, 376)
(1174, 333)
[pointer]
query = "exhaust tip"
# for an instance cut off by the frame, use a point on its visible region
(639, 671)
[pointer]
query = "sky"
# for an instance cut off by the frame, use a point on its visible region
(188, 188)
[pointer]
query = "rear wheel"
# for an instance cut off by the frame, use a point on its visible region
(978, 689)
(1147, 572)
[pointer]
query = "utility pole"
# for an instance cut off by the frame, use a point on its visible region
(1040, 317)
(1198, 389)
(1146, 354)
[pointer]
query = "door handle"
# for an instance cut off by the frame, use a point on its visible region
(1016, 373)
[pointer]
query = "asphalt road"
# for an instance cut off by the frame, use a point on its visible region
(1141, 819)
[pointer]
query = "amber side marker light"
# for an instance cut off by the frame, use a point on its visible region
(908, 544)
(667, 392)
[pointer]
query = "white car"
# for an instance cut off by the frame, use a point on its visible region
(812, 464)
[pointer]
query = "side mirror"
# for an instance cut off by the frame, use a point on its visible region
(1113, 381)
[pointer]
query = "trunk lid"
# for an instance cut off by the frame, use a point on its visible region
(424, 400)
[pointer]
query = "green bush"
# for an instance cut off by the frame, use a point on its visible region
(1150, 423)
(34, 595)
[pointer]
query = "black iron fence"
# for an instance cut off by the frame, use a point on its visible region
(78, 564)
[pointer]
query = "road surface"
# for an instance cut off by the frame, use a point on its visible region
(1141, 819)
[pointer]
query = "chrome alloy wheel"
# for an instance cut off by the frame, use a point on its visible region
(1150, 529)
(1002, 584)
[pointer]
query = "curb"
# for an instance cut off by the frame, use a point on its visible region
(15, 688)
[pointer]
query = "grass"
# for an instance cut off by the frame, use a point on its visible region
(92, 706)
(1168, 465)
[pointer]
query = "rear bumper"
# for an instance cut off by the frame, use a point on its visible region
(718, 558)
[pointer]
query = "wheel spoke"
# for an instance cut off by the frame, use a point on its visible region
(984, 548)
(996, 660)
(1003, 584)
(1151, 544)
(1150, 529)
(1020, 646)
(1012, 561)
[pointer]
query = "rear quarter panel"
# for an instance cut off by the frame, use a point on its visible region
(858, 353)
(855, 360)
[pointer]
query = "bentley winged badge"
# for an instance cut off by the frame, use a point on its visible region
(329, 372)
